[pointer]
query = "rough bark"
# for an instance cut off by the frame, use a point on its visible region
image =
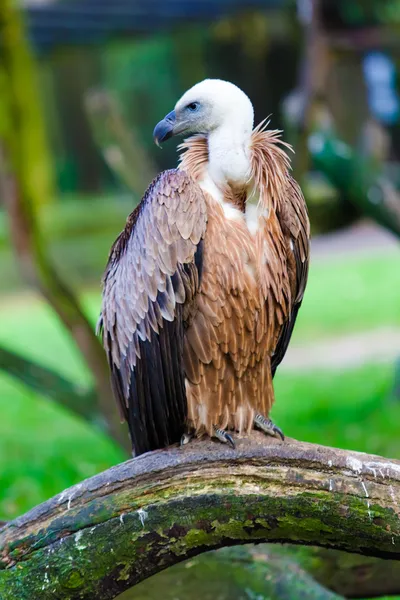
(114, 530)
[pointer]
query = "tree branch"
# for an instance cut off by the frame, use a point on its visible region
(114, 530)
(276, 572)
(76, 398)
(252, 571)
(352, 575)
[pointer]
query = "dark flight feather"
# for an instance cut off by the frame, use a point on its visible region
(150, 284)
(295, 225)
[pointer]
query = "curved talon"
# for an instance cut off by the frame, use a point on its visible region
(279, 432)
(268, 426)
(230, 440)
(224, 437)
(185, 439)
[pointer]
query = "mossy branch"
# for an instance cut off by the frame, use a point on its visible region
(114, 530)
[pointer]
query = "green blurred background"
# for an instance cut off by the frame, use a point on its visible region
(82, 85)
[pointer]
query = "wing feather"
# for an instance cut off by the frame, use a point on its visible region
(293, 217)
(151, 281)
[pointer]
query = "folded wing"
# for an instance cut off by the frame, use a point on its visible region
(150, 287)
(293, 218)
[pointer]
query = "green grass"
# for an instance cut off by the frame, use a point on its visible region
(346, 409)
(43, 449)
(352, 293)
(33, 329)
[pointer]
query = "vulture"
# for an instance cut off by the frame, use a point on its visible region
(203, 286)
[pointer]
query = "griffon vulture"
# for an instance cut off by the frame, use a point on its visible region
(203, 286)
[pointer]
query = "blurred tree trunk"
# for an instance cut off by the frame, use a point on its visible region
(312, 80)
(23, 187)
(33, 153)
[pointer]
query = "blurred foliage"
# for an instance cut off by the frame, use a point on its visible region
(367, 12)
(44, 449)
(358, 178)
(23, 190)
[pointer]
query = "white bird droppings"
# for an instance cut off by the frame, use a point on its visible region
(78, 536)
(354, 464)
(142, 515)
(365, 489)
(46, 580)
(61, 497)
(69, 501)
(381, 466)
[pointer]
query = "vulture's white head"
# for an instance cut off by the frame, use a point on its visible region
(207, 107)
(224, 114)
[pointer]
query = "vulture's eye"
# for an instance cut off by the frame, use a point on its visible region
(193, 106)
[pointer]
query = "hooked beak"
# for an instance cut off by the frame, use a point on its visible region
(164, 129)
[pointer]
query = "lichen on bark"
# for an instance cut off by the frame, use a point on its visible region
(99, 538)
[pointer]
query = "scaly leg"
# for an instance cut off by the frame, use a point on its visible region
(268, 426)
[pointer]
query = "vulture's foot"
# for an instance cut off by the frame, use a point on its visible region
(224, 437)
(267, 426)
(186, 438)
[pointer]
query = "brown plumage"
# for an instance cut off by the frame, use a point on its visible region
(250, 294)
(199, 306)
